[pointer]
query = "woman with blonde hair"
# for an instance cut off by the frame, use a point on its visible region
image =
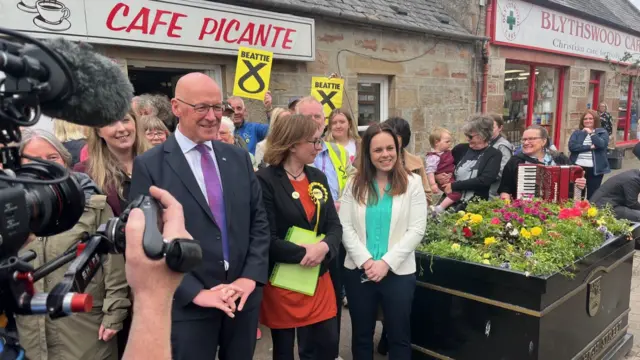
(72, 136)
(113, 149)
(344, 131)
(276, 114)
(154, 129)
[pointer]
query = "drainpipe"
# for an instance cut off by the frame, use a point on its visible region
(487, 52)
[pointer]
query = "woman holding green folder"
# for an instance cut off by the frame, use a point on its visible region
(296, 198)
(383, 212)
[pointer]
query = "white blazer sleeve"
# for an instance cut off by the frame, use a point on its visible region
(356, 248)
(415, 229)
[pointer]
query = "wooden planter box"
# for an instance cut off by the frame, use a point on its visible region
(471, 311)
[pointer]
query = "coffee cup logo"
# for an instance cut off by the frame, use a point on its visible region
(53, 15)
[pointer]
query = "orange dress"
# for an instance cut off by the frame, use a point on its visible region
(285, 309)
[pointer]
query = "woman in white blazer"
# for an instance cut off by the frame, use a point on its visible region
(381, 230)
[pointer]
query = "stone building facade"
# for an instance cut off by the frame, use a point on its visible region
(550, 61)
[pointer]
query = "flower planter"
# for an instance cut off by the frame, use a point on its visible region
(464, 310)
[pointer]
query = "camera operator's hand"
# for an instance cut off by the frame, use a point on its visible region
(152, 283)
(148, 277)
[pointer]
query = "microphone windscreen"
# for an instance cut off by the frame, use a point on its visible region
(103, 92)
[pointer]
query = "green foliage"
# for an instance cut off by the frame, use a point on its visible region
(530, 236)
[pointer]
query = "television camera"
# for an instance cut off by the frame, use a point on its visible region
(41, 198)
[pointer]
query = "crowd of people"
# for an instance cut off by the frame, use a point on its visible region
(244, 185)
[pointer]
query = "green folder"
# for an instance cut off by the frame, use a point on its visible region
(295, 277)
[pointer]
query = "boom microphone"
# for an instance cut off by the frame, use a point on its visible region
(102, 91)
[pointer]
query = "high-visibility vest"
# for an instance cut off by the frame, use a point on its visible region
(338, 157)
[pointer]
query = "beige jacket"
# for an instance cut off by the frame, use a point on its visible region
(76, 336)
(408, 223)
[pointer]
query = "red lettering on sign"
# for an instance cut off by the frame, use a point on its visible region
(158, 21)
(546, 23)
(263, 36)
(173, 26)
(247, 35)
(235, 23)
(287, 39)
(143, 18)
(113, 13)
(203, 29)
(278, 30)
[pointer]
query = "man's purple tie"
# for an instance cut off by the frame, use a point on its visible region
(214, 196)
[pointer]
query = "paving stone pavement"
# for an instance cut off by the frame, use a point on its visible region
(264, 346)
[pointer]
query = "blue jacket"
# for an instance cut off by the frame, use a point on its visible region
(252, 134)
(600, 140)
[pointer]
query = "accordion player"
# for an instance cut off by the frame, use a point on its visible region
(549, 183)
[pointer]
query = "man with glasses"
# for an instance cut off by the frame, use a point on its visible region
(218, 303)
(251, 133)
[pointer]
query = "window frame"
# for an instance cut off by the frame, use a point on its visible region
(383, 80)
(627, 118)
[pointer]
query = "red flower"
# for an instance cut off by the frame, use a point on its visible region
(581, 245)
(467, 232)
(541, 242)
(495, 221)
(583, 205)
(569, 213)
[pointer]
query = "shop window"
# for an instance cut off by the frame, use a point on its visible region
(628, 110)
(546, 99)
(532, 96)
(373, 100)
(516, 100)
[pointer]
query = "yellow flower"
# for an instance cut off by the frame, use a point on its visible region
(486, 262)
(486, 255)
(592, 212)
(507, 201)
(461, 213)
(476, 219)
(490, 240)
(510, 248)
(455, 247)
(525, 233)
(536, 231)
(601, 221)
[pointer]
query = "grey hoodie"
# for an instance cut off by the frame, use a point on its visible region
(506, 148)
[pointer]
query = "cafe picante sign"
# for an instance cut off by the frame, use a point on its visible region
(188, 25)
(525, 25)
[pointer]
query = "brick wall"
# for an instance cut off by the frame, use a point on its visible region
(435, 90)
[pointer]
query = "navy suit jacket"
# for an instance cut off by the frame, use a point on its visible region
(165, 166)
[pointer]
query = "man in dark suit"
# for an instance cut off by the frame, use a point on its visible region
(222, 201)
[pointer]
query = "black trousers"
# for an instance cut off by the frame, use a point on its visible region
(623, 212)
(593, 181)
(395, 293)
(337, 273)
(315, 342)
(198, 339)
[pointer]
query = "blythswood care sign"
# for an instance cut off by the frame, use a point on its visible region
(197, 26)
(522, 24)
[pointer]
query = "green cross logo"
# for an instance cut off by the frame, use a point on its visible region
(511, 20)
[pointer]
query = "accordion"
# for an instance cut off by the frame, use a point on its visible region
(549, 183)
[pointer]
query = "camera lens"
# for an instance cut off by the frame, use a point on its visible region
(52, 208)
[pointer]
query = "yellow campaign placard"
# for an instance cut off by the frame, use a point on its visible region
(328, 92)
(253, 72)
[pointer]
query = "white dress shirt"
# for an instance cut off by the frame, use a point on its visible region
(193, 157)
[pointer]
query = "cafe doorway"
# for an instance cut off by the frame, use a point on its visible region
(150, 80)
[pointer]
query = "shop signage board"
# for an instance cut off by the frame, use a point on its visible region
(525, 25)
(253, 73)
(197, 26)
(329, 92)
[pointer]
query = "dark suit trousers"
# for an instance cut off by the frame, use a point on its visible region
(198, 339)
(395, 293)
(315, 342)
